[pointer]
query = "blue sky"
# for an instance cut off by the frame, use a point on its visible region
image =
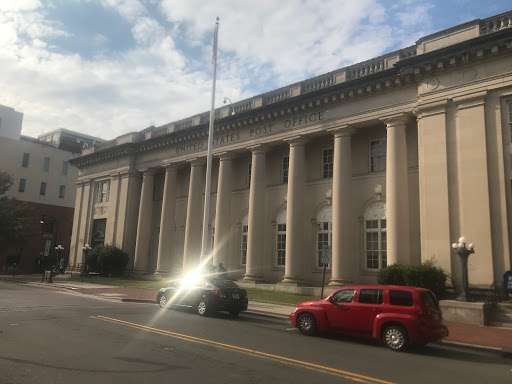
(108, 67)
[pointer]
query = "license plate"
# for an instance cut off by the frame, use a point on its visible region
(236, 296)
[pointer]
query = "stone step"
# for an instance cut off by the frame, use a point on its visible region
(501, 317)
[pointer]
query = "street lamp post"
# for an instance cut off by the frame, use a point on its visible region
(464, 251)
(226, 99)
(85, 271)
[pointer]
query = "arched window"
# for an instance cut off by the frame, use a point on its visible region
(375, 239)
(245, 231)
(323, 233)
(281, 238)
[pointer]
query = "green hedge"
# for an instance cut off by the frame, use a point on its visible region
(425, 275)
(108, 260)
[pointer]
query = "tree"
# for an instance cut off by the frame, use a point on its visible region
(14, 215)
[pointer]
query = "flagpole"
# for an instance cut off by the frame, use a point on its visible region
(206, 214)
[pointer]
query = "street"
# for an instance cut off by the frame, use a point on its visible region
(54, 336)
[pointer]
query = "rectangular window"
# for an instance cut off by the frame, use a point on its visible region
(285, 167)
(46, 164)
(26, 157)
(21, 187)
(98, 232)
(371, 296)
(62, 191)
(281, 244)
(401, 298)
(42, 188)
(324, 238)
(249, 172)
(64, 168)
(376, 244)
(327, 162)
(378, 155)
(102, 190)
(245, 230)
(509, 105)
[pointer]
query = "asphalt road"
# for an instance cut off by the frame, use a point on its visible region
(53, 336)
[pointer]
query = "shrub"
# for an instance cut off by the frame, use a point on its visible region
(425, 275)
(107, 260)
(112, 260)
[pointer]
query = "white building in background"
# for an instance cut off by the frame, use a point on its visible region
(386, 161)
(10, 122)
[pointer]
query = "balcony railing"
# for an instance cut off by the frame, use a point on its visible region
(495, 24)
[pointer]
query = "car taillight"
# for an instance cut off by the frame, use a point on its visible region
(218, 293)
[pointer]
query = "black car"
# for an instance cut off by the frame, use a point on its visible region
(205, 295)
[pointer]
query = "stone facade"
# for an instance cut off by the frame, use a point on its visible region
(386, 161)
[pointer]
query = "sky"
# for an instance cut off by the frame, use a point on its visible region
(110, 67)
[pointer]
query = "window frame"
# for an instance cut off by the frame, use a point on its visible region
(22, 184)
(46, 164)
(42, 188)
(65, 165)
(371, 164)
(62, 191)
(285, 169)
(249, 174)
(329, 172)
(102, 194)
(25, 160)
(375, 212)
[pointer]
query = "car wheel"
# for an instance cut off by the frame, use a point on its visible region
(202, 307)
(162, 301)
(307, 324)
(395, 338)
(234, 312)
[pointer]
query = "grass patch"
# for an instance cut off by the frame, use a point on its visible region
(120, 281)
(254, 294)
(277, 297)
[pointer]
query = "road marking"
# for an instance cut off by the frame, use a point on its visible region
(263, 355)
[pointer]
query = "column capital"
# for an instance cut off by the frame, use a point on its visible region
(296, 140)
(342, 131)
(196, 162)
(168, 166)
(469, 101)
(259, 148)
(148, 171)
(223, 156)
(430, 109)
(398, 120)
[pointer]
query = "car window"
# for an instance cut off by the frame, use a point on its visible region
(429, 299)
(401, 298)
(343, 296)
(371, 296)
(223, 283)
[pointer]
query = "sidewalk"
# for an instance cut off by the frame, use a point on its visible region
(489, 338)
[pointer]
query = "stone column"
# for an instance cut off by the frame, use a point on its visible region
(342, 257)
(167, 220)
(85, 219)
(223, 211)
(75, 248)
(397, 192)
(255, 235)
(144, 224)
(192, 247)
(293, 272)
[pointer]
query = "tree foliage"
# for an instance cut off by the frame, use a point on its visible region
(14, 215)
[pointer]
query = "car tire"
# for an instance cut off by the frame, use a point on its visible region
(307, 324)
(234, 312)
(202, 307)
(162, 301)
(395, 338)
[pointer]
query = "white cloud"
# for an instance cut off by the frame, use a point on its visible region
(162, 78)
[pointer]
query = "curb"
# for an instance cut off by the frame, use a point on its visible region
(147, 301)
(505, 353)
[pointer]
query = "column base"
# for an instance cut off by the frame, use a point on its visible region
(250, 278)
(339, 282)
(295, 281)
(139, 272)
(162, 273)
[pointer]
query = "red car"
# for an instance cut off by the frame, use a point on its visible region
(397, 315)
